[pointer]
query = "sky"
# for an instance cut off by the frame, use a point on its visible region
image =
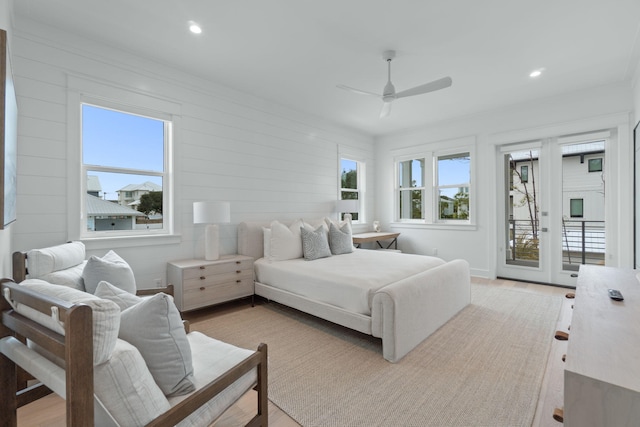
(112, 138)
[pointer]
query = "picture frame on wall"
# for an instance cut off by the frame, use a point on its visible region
(8, 136)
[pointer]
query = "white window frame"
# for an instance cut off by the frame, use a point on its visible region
(430, 200)
(361, 180)
(82, 91)
(437, 187)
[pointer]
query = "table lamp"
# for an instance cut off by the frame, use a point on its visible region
(212, 214)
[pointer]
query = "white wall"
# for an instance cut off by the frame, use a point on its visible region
(636, 104)
(5, 235)
(570, 113)
(268, 161)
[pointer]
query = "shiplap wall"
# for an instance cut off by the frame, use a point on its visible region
(6, 234)
(267, 160)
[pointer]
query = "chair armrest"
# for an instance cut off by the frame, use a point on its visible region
(152, 291)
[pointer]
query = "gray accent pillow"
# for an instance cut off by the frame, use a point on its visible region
(155, 328)
(110, 268)
(314, 243)
(340, 240)
(124, 299)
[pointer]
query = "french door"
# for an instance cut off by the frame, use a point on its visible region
(551, 217)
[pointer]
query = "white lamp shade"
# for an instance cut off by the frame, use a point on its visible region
(211, 212)
(348, 205)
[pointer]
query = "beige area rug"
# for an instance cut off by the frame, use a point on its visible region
(483, 368)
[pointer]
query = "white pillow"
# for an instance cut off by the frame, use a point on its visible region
(106, 315)
(155, 327)
(54, 258)
(267, 242)
(314, 243)
(285, 242)
(126, 388)
(71, 277)
(110, 268)
(340, 239)
(124, 299)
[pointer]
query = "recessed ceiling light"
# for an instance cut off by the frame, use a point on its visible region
(536, 73)
(194, 28)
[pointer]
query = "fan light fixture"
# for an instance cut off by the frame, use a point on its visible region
(194, 28)
(536, 73)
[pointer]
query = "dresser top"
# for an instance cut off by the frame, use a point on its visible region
(186, 263)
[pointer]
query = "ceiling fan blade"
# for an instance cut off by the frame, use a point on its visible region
(358, 91)
(386, 110)
(427, 87)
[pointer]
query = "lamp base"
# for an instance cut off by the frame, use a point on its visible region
(211, 242)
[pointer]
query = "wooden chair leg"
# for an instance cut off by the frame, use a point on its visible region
(8, 400)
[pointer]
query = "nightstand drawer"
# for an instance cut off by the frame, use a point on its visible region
(208, 295)
(217, 279)
(215, 269)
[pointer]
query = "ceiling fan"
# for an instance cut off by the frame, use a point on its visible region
(389, 92)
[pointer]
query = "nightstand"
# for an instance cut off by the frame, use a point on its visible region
(199, 283)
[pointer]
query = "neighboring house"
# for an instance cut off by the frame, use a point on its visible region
(104, 215)
(130, 194)
(93, 185)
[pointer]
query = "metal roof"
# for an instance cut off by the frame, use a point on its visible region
(98, 207)
(145, 186)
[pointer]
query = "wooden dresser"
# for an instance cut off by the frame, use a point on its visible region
(199, 283)
(602, 370)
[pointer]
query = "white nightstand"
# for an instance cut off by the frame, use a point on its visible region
(199, 283)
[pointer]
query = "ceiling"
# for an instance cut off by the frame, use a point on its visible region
(295, 52)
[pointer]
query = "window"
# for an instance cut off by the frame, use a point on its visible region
(124, 163)
(524, 173)
(411, 189)
(351, 187)
(453, 186)
(434, 187)
(595, 165)
(576, 208)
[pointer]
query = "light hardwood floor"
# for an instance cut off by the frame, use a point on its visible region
(50, 411)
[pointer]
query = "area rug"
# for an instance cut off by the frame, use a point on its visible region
(483, 368)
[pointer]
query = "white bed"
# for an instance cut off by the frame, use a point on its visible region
(400, 298)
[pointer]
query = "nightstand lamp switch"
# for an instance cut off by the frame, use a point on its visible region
(212, 214)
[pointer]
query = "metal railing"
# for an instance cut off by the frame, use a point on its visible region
(583, 242)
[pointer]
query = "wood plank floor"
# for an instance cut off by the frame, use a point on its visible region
(50, 411)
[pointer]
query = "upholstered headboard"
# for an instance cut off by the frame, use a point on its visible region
(251, 236)
(251, 239)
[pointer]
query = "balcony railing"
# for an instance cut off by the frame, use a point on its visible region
(583, 242)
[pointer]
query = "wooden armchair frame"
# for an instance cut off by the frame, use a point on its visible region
(76, 348)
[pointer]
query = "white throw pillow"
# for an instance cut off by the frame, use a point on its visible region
(106, 315)
(340, 239)
(155, 328)
(54, 258)
(110, 268)
(124, 299)
(315, 244)
(285, 241)
(266, 232)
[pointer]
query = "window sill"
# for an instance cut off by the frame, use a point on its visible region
(435, 226)
(104, 242)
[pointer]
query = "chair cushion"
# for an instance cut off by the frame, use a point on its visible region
(126, 388)
(212, 358)
(54, 258)
(124, 299)
(71, 277)
(155, 327)
(106, 315)
(110, 268)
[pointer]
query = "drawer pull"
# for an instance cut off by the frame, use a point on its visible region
(238, 281)
(238, 271)
(202, 277)
(238, 262)
(202, 267)
(202, 288)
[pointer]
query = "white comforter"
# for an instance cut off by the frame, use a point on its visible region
(347, 281)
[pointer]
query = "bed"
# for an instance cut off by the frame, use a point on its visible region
(400, 298)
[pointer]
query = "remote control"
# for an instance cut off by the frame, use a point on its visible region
(615, 294)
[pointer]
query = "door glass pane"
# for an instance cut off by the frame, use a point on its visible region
(522, 208)
(583, 195)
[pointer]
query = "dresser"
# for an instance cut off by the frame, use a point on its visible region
(602, 369)
(199, 283)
